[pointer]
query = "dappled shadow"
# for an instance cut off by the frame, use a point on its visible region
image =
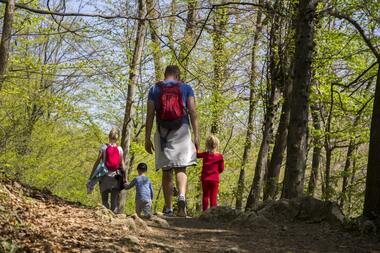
(194, 235)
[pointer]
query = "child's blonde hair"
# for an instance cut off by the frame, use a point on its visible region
(212, 143)
(114, 134)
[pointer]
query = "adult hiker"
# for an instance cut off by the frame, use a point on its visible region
(109, 171)
(173, 104)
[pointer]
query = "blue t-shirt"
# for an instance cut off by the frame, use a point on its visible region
(144, 190)
(186, 90)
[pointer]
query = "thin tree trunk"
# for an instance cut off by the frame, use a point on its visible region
(316, 152)
(285, 71)
(173, 9)
(275, 163)
(261, 164)
(346, 172)
(328, 146)
(271, 105)
(189, 37)
(352, 180)
(132, 82)
(328, 189)
(156, 45)
(297, 135)
(252, 103)
(273, 83)
(6, 37)
(220, 20)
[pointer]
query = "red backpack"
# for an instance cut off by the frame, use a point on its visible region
(112, 158)
(170, 110)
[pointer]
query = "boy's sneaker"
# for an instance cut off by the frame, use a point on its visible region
(181, 206)
(90, 186)
(169, 213)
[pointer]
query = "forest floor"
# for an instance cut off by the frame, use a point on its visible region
(36, 221)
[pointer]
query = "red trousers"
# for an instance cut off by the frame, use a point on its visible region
(210, 192)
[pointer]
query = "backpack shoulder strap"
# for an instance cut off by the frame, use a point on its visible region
(104, 152)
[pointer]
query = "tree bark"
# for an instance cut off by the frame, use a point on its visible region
(352, 181)
(328, 147)
(173, 9)
(6, 37)
(275, 163)
(261, 164)
(132, 83)
(271, 106)
(372, 190)
(252, 103)
(189, 37)
(155, 45)
(316, 152)
(297, 135)
(220, 20)
(346, 172)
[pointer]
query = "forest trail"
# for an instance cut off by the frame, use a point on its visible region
(36, 221)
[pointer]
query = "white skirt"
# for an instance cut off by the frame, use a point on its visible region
(178, 151)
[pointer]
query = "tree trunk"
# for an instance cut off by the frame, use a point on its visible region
(132, 82)
(352, 180)
(346, 172)
(261, 164)
(316, 152)
(189, 37)
(6, 39)
(155, 45)
(271, 107)
(328, 189)
(328, 147)
(252, 103)
(173, 9)
(220, 20)
(275, 163)
(297, 135)
(372, 190)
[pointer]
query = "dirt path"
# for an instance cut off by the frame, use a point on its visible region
(193, 235)
(35, 221)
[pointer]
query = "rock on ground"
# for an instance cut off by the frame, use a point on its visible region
(242, 219)
(141, 224)
(130, 240)
(221, 214)
(281, 210)
(315, 210)
(160, 222)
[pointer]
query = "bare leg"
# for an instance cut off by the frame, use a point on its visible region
(181, 178)
(167, 187)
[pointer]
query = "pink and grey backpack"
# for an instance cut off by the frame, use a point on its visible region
(112, 158)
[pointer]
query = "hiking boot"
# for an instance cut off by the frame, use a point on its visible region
(169, 213)
(181, 206)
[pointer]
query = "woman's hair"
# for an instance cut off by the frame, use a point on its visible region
(114, 134)
(212, 142)
(142, 167)
(172, 70)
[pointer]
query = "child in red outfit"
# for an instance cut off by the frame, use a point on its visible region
(213, 165)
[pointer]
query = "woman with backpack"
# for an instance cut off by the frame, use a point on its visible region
(172, 102)
(109, 170)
